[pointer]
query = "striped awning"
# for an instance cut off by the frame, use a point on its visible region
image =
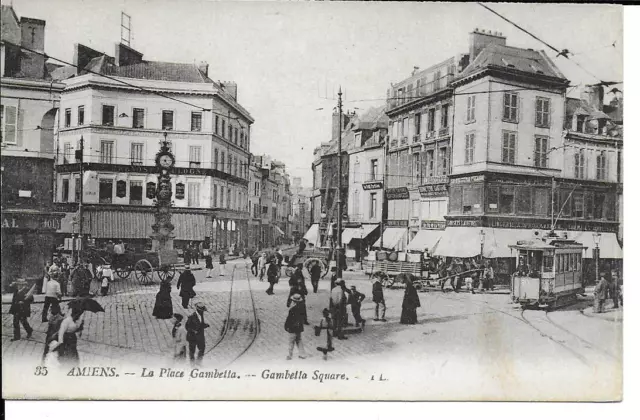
(124, 224)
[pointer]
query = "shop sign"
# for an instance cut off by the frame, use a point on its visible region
(433, 224)
(401, 193)
(463, 222)
(431, 190)
(397, 223)
(32, 222)
(376, 185)
(467, 179)
(442, 179)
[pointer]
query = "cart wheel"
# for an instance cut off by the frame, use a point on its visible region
(143, 271)
(123, 272)
(168, 271)
(323, 265)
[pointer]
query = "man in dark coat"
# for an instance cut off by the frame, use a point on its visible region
(294, 325)
(338, 307)
(315, 271)
(185, 284)
(186, 254)
(272, 275)
(302, 246)
(410, 302)
(377, 295)
(296, 276)
(195, 326)
(301, 290)
(599, 295)
(81, 280)
(21, 308)
(53, 328)
(355, 300)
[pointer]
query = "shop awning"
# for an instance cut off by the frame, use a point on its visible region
(466, 242)
(425, 239)
(609, 246)
(497, 241)
(278, 230)
(357, 233)
(393, 238)
(313, 234)
(189, 226)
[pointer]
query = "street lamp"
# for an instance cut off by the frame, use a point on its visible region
(596, 254)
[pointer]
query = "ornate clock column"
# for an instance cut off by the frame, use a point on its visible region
(162, 236)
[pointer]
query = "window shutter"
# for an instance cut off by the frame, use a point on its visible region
(121, 189)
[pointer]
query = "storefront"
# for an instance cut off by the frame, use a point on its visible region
(394, 237)
(28, 241)
(357, 239)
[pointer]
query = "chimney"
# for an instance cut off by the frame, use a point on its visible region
(415, 70)
(335, 124)
(480, 39)
(204, 68)
(231, 88)
(126, 56)
(32, 33)
(594, 96)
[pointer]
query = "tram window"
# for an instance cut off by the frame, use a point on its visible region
(566, 264)
(559, 264)
(547, 262)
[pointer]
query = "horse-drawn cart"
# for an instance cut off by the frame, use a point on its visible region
(141, 264)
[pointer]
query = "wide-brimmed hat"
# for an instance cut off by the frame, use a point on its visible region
(200, 307)
(187, 267)
(353, 287)
(179, 317)
(296, 298)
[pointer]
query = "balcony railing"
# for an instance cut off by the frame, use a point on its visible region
(403, 141)
(393, 143)
(416, 138)
(443, 131)
(423, 91)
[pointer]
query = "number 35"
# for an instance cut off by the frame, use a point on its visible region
(41, 371)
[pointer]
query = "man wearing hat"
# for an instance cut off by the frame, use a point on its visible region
(315, 271)
(195, 326)
(294, 325)
(21, 308)
(355, 300)
(52, 295)
(338, 308)
(185, 284)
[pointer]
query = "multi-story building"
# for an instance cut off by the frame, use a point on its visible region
(420, 110)
(301, 206)
(255, 207)
(120, 108)
(508, 162)
(366, 177)
(30, 102)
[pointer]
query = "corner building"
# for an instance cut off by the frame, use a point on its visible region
(121, 127)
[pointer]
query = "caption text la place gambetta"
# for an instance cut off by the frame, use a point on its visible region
(197, 373)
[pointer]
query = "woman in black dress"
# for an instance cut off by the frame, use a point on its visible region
(68, 348)
(163, 308)
(410, 303)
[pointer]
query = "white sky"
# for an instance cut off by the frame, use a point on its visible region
(285, 55)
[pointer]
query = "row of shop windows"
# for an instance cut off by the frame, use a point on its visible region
(528, 200)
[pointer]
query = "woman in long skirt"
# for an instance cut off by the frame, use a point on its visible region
(410, 303)
(163, 308)
(68, 348)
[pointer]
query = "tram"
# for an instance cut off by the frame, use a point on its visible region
(549, 272)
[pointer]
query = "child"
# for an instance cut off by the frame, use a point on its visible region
(106, 275)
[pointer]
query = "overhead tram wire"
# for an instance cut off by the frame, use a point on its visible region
(115, 79)
(565, 53)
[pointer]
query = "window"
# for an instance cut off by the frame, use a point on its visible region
(195, 160)
(510, 107)
(138, 118)
(224, 125)
(356, 172)
(580, 123)
(373, 206)
(455, 199)
(106, 191)
(509, 147)
(405, 127)
(121, 188)
(492, 199)
(506, 200)
(108, 115)
(542, 112)
(215, 195)
(67, 117)
(8, 123)
(106, 151)
(235, 135)
(77, 190)
(541, 201)
(228, 198)
(230, 132)
(215, 159)
(356, 203)
(374, 169)
(65, 190)
(444, 117)
(67, 153)
(430, 163)
(151, 190)
(416, 121)
(222, 161)
(217, 124)
(469, 147)
(136, 153)
(578, 205)
(443, 166)
(431, 121)
(523, 200)
(196, 121)
(167, 120)
(598, 205)
(588, 205)
(471, 108)
(229, 160)
(471, 199)
(541, 152)
(135, 192)
(417, 168)
(193, 194)
(601, 166)
(81, 115)
(578, 158)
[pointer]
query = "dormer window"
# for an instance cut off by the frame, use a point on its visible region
(580, 121)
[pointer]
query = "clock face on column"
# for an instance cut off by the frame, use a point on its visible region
(165, 160)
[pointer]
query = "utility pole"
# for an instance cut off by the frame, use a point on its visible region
(384, 211)
(80, 209)
(339, 224)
